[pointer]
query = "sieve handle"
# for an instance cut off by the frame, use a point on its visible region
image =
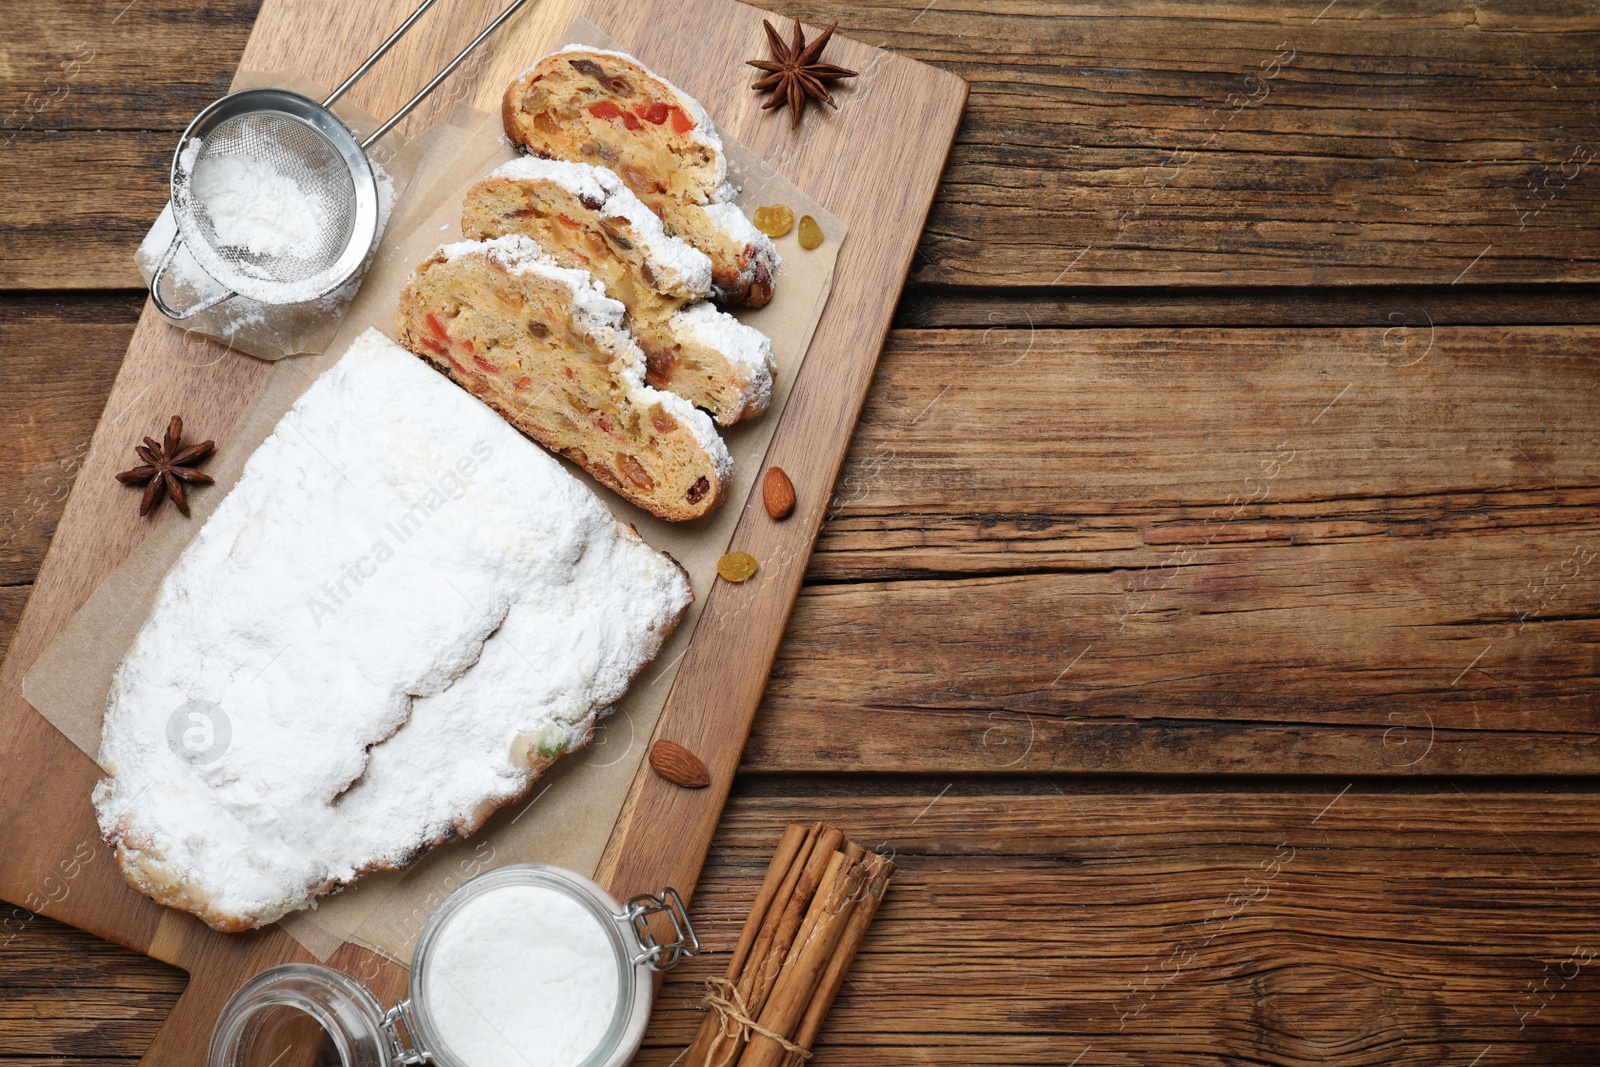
(161, 271)
(355, 76)
(406, 109)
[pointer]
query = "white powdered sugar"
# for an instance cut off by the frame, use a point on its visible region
(269, 330)
(588, 183)
(678, 266)
(398, 615)
(602, 317)
(256, 207)
(733, 222)
(747, 349)
(521, 976)
(520, 254)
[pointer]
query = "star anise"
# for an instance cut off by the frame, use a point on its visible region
(794, 75)
(166, 467)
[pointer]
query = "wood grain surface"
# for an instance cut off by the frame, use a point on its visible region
(1307, 925)
(1085, 856)
(56, 864)
(1353, 551)
(1162, 142)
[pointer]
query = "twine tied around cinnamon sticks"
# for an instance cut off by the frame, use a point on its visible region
(809, 918)
(724, 998)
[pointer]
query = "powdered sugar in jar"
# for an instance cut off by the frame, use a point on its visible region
(526, 966)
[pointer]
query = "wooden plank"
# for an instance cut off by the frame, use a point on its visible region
(46, 816)
(1261, 551)
(96, 65)
(97, 92)
(12, 600)
(63, 239)
(61, 358)
(1103, 144)
(1112, 422)
(1044, 923)
(69, 993)
(1101, 147)
(1260, 143)
(932, 307)
(1283, 925)
(1254, 658)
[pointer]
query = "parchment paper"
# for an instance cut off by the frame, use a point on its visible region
(568, 816)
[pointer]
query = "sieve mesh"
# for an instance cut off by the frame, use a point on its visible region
(301, 155)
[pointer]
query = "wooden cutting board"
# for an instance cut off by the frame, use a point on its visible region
(875, 163)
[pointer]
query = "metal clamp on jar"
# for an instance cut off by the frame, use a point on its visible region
(526, 966)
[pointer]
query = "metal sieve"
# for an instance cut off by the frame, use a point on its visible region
(307, 150)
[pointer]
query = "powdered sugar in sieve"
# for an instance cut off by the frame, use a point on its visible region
(273, 195)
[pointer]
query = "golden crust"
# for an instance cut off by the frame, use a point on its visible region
(143, 869)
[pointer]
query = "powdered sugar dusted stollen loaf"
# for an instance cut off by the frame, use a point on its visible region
(585, 218)
(543, 345)
(395, 621)
(594, 106)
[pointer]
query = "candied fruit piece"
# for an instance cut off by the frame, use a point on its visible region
(634, 471)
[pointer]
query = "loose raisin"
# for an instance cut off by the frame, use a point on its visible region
(737, 566)
(810, 233)
(774, 220)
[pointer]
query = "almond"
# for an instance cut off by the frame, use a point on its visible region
(777, 492)
(678, 765)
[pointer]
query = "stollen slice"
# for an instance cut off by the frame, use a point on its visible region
(594, 106)
(543, 345)
(585, 218)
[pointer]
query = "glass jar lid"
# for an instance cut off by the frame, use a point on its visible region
(525, 966)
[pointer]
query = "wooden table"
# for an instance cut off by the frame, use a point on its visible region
(1207, 614)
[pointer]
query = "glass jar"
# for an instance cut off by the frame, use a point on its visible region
(303, 1015)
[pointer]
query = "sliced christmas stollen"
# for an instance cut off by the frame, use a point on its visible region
(585, 218)
(594, 106)
(543, 345)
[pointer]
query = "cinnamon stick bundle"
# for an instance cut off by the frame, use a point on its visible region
(809, 918)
